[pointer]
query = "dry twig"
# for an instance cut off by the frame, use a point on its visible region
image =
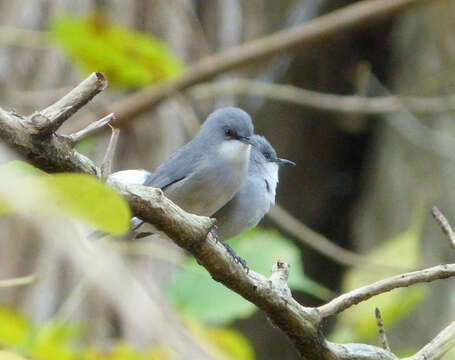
(382, 334)
(19, 281)
(444, 224)
(90, 129)
(351, 104)
(313, 239)
(106, 167)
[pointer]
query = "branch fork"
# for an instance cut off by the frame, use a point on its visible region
(192, 233)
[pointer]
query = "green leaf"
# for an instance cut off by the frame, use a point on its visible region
(127, 58)
(398, 254)
(231, 342)
(13, 327)
(20, 169)
(86, 198)
(77, 196)
(222, 342)
(261, 249)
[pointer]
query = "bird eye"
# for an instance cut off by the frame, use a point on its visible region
(228, 132)
(267, 155)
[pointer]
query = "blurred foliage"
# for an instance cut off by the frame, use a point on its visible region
(127, 58)
(10, 356)
(261, 249)
(77, 196)
(398, 254)
(54, 341)
(222, 342)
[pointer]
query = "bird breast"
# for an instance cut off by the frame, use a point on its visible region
(235, 152)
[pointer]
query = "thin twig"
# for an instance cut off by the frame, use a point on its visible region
(382, 334)
(19, 281)
(315, 240)
(364, 293)
(106, 167)
(317, 31)
(351, 104)
(444, 224)
(90, 129)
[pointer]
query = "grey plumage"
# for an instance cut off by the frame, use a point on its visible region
(254, 198)
(204, 174)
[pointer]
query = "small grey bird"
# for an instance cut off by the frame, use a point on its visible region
(254, 198)
(204, 174)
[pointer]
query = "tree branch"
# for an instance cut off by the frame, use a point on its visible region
(363, 13)
(351, 104)
(90, 129)
(50, 119)
(349, 299)
(192, 233)
(437, 347)
(444, 224)
(382, 333)
(106, 167)
(315, 240)
(19, 281)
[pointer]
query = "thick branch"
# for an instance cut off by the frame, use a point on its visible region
(50, 119)
(349, 299)
(191, 232)
(313, 32)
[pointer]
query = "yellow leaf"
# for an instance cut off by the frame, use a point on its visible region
(10, 356)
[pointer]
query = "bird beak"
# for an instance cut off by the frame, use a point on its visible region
(284, 162)
(245, 139)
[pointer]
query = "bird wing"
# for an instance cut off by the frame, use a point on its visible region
(179, 166)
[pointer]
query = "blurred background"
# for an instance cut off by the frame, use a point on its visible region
(366, 177)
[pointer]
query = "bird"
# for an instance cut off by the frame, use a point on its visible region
(254, 198)
(204, 174)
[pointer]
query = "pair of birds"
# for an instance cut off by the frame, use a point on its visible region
(226, 172)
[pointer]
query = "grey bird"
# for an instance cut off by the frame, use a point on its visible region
(254, 198)
(203, 175)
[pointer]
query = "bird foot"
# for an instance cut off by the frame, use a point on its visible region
(215, 234)
(237, 258)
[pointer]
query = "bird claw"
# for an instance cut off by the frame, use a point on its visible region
(237, 258)
(230, 250)
(215, 234)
